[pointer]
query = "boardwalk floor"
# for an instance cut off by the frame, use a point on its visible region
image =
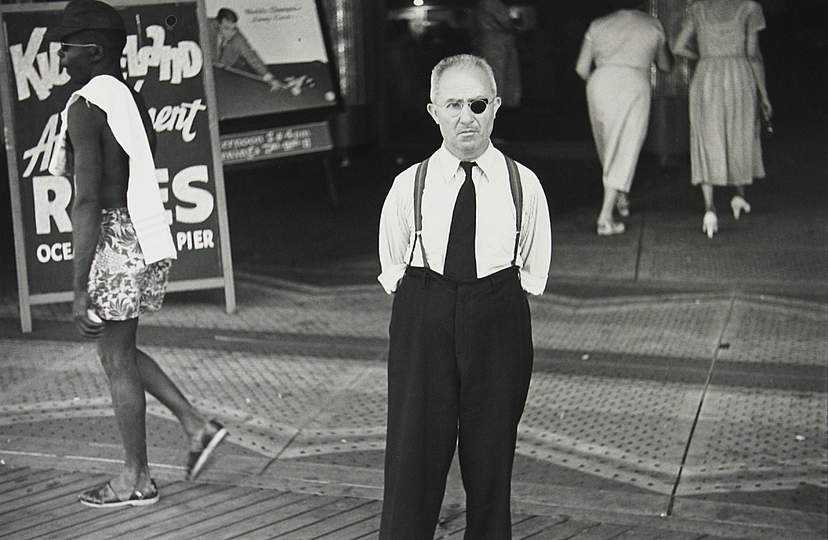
(43, 504)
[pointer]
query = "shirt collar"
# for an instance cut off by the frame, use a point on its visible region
(449, 163)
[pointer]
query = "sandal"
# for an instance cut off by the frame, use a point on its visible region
(211, 435)
(105, 497)
(609, 227)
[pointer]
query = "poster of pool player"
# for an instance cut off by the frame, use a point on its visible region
(269, 57)
(163, 61)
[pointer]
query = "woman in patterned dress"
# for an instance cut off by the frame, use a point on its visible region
(727, 94)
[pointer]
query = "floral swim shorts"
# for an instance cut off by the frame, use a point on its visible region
(120, 284)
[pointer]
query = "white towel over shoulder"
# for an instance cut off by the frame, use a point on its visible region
(146, 209)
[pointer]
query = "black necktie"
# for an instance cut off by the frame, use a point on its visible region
(460, 260)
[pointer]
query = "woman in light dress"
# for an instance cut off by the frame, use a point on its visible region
(727, 94)
(615, 60)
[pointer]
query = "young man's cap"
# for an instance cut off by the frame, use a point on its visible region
(80, 15)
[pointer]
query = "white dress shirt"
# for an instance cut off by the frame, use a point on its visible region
(495, 231)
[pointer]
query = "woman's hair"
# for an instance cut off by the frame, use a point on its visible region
(460, 61)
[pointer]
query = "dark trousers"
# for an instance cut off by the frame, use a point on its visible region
(459, 366)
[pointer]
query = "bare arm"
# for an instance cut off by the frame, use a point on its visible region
(758, 66)
(664, 58)
(85, 123)
(681, 47)
(584, 64)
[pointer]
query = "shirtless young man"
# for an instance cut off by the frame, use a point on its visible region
(120, 269)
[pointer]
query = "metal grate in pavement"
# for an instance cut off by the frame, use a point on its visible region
(765, 332)
(682, 329)
(758, 440)
(629, 431)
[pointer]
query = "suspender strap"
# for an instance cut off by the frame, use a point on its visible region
(517, 198)
(419, 187)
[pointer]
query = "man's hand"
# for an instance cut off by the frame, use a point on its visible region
(81, 312)
(274, 83)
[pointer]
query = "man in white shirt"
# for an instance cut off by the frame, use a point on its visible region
(460, 355)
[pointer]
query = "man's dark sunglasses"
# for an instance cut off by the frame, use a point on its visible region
(478, 106)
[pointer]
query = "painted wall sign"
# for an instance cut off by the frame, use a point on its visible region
(163, 60)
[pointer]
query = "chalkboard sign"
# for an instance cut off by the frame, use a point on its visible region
(274, 143)
(164, 61)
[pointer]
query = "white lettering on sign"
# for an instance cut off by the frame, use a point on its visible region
(52, 195)
(192, 240)
(45, 76)
(269, 143)
(174, 63)
(177, 118)
(59, 251)
(184, 191)
(162, 176)
(40, 71)
(45, 146)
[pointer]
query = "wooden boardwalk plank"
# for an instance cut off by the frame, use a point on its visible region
(62, 499)
(64, 509)
(602, 531)
(181, 506)
(12, 474)
(42, 504)
(675, 535)
(19, 527)
(562, 530)
(42, 493)
(174, 511)
(23, 485)
(368, 526)
(60, 522)
(351, 511)
(312, 512)
(641, 533)
(529, 528)
(452, 523)
(232, 519)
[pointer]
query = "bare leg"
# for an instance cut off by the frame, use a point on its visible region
(606, 225)
(740, 191)
(116, 349)
(608, 205)
(157, 383)
(707, 191)
(710, 223)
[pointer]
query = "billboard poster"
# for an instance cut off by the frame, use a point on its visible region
(269, 57)
(163, 61)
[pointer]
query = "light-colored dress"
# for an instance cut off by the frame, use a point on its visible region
(725, 148)
(623, 46)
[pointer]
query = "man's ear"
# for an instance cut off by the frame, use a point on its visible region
(97, 53)
(496, 105)
(432, 110)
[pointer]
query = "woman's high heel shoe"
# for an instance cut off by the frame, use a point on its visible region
(739, 205)
(607, 227)
(710, 224)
